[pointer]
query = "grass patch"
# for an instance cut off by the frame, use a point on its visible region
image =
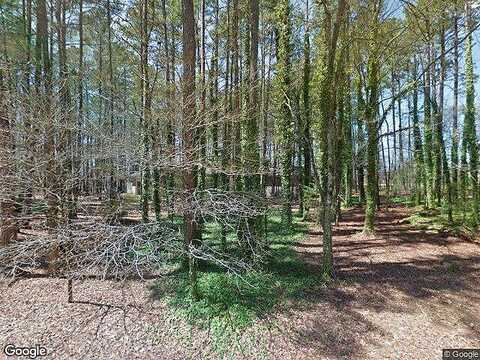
(437, 220)
(130, 199)
(229, 304)
(407, 200)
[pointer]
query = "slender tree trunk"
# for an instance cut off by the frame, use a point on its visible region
(286, 130)
(371, 109)
(111, 180)
(43, 75)
(214, 99)
(470, 138)
(420, 178)
(203, 97)
(227, 134)
(236, 114)
(188, 89)
(327, 124)
(437, 133)
(251, 153)
(394, 122)
(455, 134)
(389, 160)
(307, 166)
(372, 147)
(428, 134)
(361, 146)
(400, 139)
(348, 148)
(80, 120)
(29, 128)
(338, 147)
(65, 142)
(170, 67)
(146, 109)
(8, 226)
(441, 144)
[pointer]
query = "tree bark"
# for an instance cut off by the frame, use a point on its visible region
(8, 226)
(146, 110)
(455, 134)
(188, 89)
(286, 131)
(307, 141)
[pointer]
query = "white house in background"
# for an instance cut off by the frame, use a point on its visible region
(131, 188)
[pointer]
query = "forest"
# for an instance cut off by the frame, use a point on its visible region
(239, 179)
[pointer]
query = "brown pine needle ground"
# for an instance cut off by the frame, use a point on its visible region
(402, 293)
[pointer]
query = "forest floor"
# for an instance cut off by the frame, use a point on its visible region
(403, 293)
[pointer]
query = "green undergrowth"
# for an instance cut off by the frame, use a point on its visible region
(230, 305)
(406, 200)
(437, 220)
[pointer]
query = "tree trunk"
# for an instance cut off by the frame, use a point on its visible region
(470, 138)
(428, 133)
(441, 144)
(43, 75)
(146, 109)
(286, 131)
(420, 177)
(327, 125)
(188, 89)
(371, 109)
(307, 141)
(111, 183)
(455, 135)
(235, 182)
(8, 226)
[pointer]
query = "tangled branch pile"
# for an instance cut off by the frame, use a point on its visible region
(106, 250)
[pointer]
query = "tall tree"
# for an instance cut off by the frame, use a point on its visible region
(332, 25)
(80, 118)
(470, 134)
(251, 153)
(203, 95)
(455, 135)
(348, 147)
(285, 121)
(371, 109)
(8, 227)
(43, 81)
(427, 122)
(146, 108)
(417, 141)
(236, 105)
(213, 79)
(110, 108)
(307, 111)
(65, 142)
(439, 132)
(189, 115)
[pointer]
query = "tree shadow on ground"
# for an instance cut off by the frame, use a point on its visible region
(397, 270)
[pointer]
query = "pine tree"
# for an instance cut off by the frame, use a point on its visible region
(189, 183)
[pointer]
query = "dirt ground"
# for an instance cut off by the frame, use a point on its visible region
(403, 293)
